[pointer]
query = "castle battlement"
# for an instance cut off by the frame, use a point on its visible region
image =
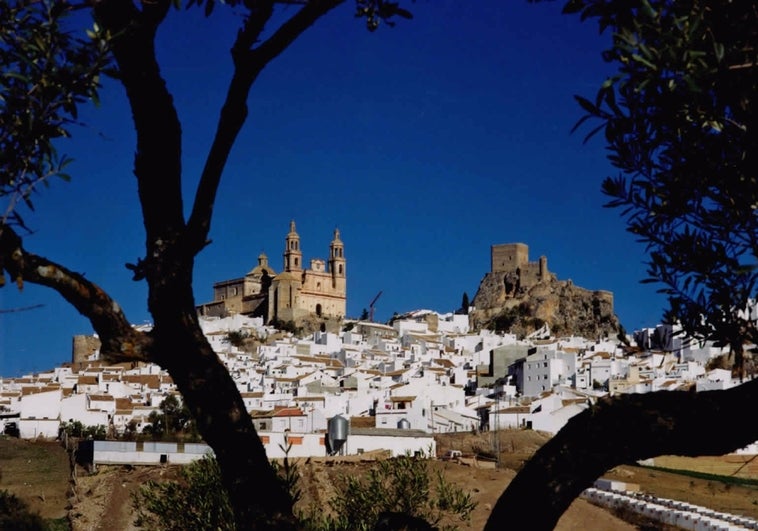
(514, 258)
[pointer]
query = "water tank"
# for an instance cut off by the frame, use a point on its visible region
(337, 430)
(403, 424)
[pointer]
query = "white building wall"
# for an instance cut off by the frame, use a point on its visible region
(293, 424)
(34, 428)
(147, 453)
(358, 444)
(74, 408)
(300, 444)
(45, 405)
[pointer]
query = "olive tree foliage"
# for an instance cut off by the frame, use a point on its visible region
(679, 119)
(392, 494)
(48, 71)
(194, 501)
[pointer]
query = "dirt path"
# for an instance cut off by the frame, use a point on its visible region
(104, 499)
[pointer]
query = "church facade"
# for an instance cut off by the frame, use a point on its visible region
(294, 294)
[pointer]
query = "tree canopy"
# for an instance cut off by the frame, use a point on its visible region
(679, 120)
(48, 71)
(679, 125)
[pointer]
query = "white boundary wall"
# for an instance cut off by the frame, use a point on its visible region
(677, 513)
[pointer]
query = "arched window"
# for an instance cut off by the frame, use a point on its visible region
(318, 310)
(340, 269)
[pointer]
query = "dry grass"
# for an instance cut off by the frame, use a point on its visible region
(38, 473)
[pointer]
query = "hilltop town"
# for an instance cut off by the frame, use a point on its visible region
(396, 384)
(389, 386)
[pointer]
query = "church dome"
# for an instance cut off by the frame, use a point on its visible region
(262, 267)
(288, 275)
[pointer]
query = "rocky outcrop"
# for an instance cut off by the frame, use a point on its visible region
(502, 304)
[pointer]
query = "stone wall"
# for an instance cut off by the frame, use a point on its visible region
(83, 347)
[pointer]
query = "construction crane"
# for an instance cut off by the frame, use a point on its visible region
(371, 307)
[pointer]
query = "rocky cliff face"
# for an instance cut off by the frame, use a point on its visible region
(501, 304)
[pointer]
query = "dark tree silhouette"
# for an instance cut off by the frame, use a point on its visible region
(680, 122)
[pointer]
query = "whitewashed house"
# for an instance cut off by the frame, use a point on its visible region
(78, 408)
(39, 413)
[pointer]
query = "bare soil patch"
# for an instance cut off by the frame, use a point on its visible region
(39, 473)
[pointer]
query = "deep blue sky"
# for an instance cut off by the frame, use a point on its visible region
(424, 143)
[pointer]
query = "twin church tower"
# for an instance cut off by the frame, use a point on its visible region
(292, 295)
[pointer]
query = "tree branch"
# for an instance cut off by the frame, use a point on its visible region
(157, 161)
(292, 29)
(120, 341)
(623, 430)
(249, 63)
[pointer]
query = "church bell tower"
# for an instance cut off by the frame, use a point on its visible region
(293, 256)
(337, 262)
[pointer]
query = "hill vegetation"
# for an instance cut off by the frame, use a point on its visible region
(38, 473)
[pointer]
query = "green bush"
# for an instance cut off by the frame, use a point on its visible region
(396, 493)
(401, 493)
(195, 501)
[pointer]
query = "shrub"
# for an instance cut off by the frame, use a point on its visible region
(195, 501)
(396, 493)
(14, 514)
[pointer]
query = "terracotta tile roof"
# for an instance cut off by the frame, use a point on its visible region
(288, 412)
(102, 398)
(253, 394)
(402, 398)
(153, 381)
(362, 422)
(124, 403)
(514, 410)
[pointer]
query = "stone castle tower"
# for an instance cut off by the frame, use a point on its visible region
(521, 274)
(295, 293)
(522, 296)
